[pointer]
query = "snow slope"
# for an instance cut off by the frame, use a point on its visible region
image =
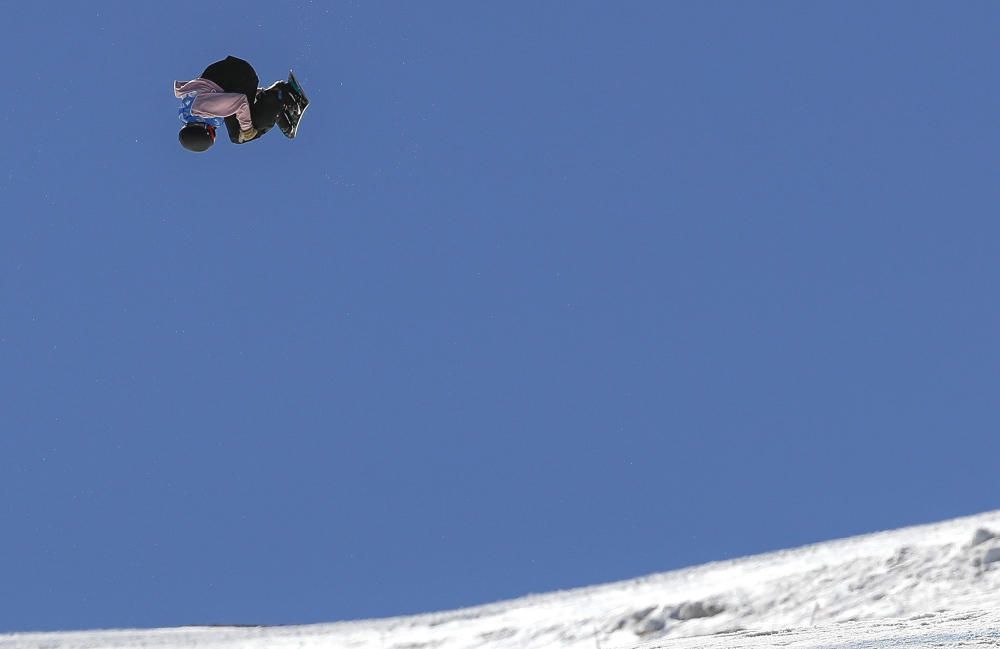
(926, 586)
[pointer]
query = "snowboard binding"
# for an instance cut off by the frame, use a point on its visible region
(294, 103)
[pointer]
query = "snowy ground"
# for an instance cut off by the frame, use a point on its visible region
(928, 586)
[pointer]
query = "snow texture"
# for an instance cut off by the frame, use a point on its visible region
(928, 586)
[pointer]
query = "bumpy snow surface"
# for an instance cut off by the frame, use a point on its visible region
(928, 586)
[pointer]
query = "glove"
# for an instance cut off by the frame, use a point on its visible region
(247, 135)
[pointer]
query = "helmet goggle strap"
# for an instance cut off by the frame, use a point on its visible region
(205, 125)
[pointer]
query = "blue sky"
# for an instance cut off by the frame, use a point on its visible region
(544, 295)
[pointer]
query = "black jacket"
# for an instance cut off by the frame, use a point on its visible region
(234, 75)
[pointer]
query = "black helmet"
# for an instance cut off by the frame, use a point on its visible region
(197, 136)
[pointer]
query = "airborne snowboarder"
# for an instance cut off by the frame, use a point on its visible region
(226, 93)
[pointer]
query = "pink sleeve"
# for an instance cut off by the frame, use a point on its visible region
(223, 104)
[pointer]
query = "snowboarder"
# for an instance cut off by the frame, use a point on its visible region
(227, 93)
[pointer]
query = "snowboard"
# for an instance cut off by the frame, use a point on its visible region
(293, 113)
